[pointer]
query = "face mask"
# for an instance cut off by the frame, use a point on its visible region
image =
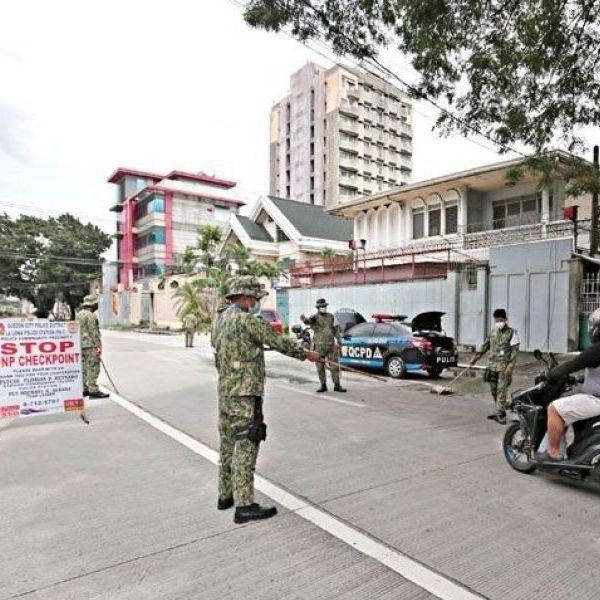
(323, 309)
(255, 310)
(501, 324)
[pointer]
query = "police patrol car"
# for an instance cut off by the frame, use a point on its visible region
(397, 346)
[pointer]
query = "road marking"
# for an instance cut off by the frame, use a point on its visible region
(412, 570)
(319, 396)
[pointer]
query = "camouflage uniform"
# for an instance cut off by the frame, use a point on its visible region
(215, 331)
(90, 342)
(503, 346)
(239, 339)
(189, 326)
(326, 337)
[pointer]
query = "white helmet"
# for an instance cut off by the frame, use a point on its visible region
(594, 326)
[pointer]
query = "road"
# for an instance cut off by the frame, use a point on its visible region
(386, 492)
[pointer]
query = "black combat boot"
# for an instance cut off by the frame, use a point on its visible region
(86, 393)
(225, 503)
(254, 512)
(323, 388)
(98, 394)
(339, 388)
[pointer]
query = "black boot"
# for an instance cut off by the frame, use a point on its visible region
(254, 512)
(323, 388)
(98, 394)
(225, 503)
(86, 393)
(339, 388)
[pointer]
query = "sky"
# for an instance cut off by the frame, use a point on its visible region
(87, 87)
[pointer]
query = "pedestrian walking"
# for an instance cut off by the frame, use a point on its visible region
(326, 343)
(189, 323)
(503, 347)
(239, 336)
(91, 346)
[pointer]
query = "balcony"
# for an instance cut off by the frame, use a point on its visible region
(348, 108)
(348, 162)
(349, 144)
(351, 126)
(349, 179)
(405, 130)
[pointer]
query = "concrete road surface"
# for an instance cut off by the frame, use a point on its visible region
(387, 491)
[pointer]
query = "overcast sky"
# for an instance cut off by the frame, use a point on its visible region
(86, 87)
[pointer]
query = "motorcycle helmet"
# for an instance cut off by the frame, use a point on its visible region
(594, 326)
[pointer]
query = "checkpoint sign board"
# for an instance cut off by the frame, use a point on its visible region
(40, 368)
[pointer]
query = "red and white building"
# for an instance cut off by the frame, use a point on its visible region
(158, 216)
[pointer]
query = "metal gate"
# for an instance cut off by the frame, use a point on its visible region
(590, 301)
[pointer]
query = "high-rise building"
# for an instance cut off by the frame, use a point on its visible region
(158, 216)
(341, 133)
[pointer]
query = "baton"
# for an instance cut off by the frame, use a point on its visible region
(108, 375)
(352, 370)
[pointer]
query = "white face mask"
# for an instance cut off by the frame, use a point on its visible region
(500, 324)
(323, 309)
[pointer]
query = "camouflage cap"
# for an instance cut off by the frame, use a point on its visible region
(89, 300)
(321, 302)
(246, 286)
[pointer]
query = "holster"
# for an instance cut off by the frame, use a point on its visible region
(257, 431)
(490, 375)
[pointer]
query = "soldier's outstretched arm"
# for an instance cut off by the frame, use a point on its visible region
(260, 331)
(484, 350)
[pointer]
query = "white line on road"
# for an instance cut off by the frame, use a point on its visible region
(319, 396)
(412, 570)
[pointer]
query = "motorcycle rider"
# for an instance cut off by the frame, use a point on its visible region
(584, 405)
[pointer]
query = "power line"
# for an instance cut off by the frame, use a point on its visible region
(32, 208)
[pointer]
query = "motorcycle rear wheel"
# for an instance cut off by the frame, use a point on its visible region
(516, 450)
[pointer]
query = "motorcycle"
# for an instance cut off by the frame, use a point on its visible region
(524, 436)
(304, 336)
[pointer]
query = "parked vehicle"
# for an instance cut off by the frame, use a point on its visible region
(525, 434)
(272, 318)
(304, 335)
(397, 346)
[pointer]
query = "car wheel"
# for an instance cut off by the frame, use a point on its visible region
(395, 367)
(435, 372)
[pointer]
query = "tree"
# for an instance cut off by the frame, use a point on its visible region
(208, 241)
(515, 70)
(41, 257)
(189, 301)
(188, 260)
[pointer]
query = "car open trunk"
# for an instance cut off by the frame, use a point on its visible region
(429, 325)
(345, 318)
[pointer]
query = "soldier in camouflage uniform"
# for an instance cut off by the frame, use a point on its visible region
(327, 344)
(91, 346)
(503, 345)
(189, 323)
(239, 336)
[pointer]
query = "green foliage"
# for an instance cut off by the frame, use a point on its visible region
(327, 253)
(41, 257)
(520, 71)
(208, 242)
(188, 261)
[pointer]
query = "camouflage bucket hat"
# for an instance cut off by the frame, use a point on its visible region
(321, 303)
(246, 286)
(89, 300)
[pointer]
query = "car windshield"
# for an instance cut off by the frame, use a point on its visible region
(268, 315)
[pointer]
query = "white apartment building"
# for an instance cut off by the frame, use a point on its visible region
(340, 134)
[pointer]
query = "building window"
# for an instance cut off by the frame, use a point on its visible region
(280, 236)
(452, 219)
(155, 236)
(140, 184)
(418, 223)
(152, 204)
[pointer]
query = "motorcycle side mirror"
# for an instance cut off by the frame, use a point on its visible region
(537, 354)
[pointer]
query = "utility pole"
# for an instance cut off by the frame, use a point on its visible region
(594, 226)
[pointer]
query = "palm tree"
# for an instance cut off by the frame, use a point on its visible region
(239, 255)
(188, 260)
(188, 301)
